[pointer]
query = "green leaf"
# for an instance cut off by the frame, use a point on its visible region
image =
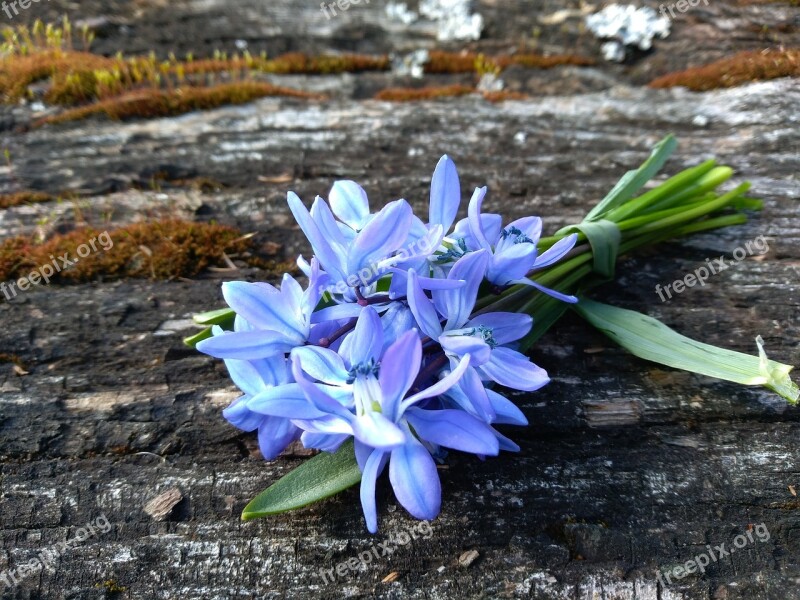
(224, 317)
(633, 181)
(215, 317)
(195, 339)
(604, 238)
(320, 477)
(650, 339)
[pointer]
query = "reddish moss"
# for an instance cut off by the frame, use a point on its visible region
(465, 62)
(504, 95)
(325, 64)
(741, 68)
(425, 93)
(152, 103)
(26, 197)
(538, 61)
(161, 250)
(292, 63)
(18, 72)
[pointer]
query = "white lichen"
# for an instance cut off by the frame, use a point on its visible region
(410, 65)
(490, 82)
(453, 18)
(626, 26)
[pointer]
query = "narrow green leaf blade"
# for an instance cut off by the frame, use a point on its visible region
(316, 479)
(633, 181)
(650, 339)
(604, 238)
(195, 339)
(215, 317)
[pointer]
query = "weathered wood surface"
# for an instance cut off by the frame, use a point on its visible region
(626, 468)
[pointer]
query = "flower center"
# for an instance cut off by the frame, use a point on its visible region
(363, 370)
(486, 333)
(455, 252)
(517, 236)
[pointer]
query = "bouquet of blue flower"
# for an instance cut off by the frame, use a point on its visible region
(407, 333)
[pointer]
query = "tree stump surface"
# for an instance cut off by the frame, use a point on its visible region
(626, 467)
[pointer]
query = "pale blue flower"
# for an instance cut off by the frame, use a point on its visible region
(386, 408)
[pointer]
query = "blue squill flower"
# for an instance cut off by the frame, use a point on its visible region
(386, 407)
(349, 255)
(484, 337)
(255, 378)
(277, 319)
(514, 253)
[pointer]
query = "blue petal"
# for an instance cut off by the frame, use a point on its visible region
(399, 369)
(327, 442)
(287, 401)
(246, 345)
(471, 394)
(366, 341)
(373, 429)
(316, 396)
(362, 453)
(440, 387)
(505, 443)
(373, 467)
(382, 236)
(266, 308)
(507, 412)
(330, 260)
(530, 227)
(274, 435)
(475, 221)
(336, 312)
(453, 429)
(327, 224)
(328, 425)
(318, 283)
(511, 263)
(458, 304)
(506, 327)
(445, 194)
(422, 308)
(246, 377)
(461, 345)
(349, 202)
(241, 417)
(548, 291)
(322, 364)
(556, 252)
(415, 480)
(491, 224)
(514, 370)
(397, 320)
